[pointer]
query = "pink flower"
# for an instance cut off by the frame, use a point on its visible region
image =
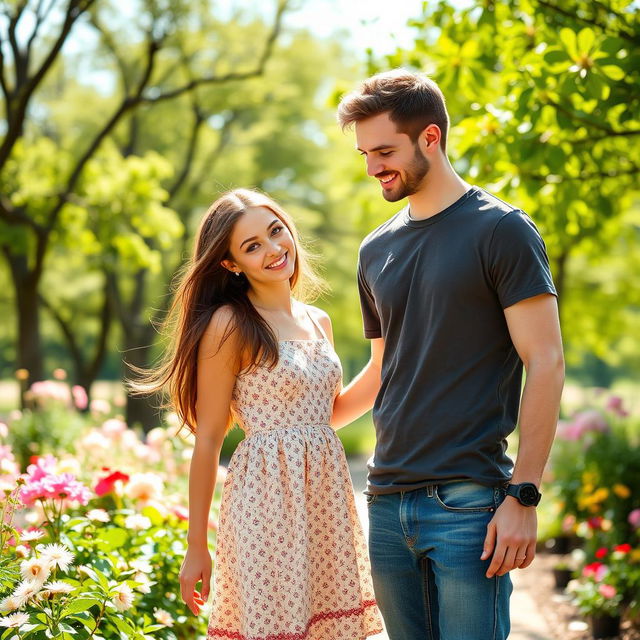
(584, 422)
(595, 570)
(79, 397)
(614, 404)
(114, 428)
(634, 518)
(607, 590)
(46, 390)
(107, 484)
(43, 483)
(4, 430)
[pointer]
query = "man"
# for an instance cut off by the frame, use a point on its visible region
(456, 296)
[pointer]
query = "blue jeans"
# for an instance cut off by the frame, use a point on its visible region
(425, 548)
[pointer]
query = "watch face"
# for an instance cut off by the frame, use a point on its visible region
(528, 494)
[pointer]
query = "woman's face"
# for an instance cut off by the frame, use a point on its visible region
(261, 247)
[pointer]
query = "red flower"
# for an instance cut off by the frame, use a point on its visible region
(623, 548)
(595, 570)
(595, 522)
(105, 485)
(602, 552)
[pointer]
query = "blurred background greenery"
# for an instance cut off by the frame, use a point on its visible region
(120, 124)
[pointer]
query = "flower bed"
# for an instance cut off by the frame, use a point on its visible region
(92, 538)
(594, 481)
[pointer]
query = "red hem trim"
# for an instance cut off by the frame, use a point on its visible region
(236, 635)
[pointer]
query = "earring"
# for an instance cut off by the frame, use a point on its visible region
(237, 273)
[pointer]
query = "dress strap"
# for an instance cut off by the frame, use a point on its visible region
(316, 324)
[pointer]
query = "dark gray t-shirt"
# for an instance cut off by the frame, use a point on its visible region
(435, 290)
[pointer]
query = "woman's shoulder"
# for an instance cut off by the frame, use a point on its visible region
(221, 325)
(321, 317)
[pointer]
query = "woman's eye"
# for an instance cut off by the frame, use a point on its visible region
(251, 247)
(276, 230)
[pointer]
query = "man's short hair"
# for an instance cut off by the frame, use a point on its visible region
(412, 100)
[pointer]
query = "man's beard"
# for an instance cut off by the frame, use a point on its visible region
(415, 174)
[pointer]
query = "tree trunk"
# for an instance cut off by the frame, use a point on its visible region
(29, 353)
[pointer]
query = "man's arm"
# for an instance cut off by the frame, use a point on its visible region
(358, 397)
(535, 331)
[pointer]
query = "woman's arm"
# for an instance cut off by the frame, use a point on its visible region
(360, 394)
(358, 397)
(217, 366)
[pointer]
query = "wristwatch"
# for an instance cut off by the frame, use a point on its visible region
(525, 493)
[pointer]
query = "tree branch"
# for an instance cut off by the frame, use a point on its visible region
(227, 77)
(625, 35)
(25, 89)
(187, 164)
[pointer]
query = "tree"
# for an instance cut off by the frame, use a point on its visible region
(28, 226)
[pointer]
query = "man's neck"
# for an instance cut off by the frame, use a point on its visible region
(442, 186)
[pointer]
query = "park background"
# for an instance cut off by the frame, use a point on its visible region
(122, 122)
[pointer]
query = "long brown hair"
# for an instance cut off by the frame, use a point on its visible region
(202, 287)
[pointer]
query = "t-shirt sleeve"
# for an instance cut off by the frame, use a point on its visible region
(370, 318)
(519, 266)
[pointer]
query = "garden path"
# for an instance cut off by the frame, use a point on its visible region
(527, 622)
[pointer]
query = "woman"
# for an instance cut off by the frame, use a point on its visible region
(291, 560)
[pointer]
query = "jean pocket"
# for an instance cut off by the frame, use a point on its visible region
(466, 497)
(371, 498)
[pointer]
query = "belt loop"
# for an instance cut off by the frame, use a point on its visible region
(430, 490)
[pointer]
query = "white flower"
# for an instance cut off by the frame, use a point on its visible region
(98, 515)
(144, 486)
(11, 603)
(137, 522)
(163, 617)
(22, 551)
(30, 536)
(26, 590)
(145, 583)
(141, 564)
(58, 586)
(122, 597)
(14, 621)
(69, 465)
(57, 554)
(36, 569)
(156, 436)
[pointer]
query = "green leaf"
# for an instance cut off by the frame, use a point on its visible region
(122, 624)
(554, 56)
(112, 538)
(586, 38)
(568, 39)
(612, 71)
(81, 604)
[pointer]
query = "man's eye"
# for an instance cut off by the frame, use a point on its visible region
(386, 153)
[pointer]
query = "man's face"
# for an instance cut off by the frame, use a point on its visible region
(391, 157)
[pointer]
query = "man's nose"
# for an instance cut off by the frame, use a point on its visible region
(374, 167)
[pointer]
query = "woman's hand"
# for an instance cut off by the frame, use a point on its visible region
(196, 567)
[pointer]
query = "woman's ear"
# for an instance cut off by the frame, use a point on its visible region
(230, 266)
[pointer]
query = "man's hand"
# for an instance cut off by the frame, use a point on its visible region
(511, 538)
